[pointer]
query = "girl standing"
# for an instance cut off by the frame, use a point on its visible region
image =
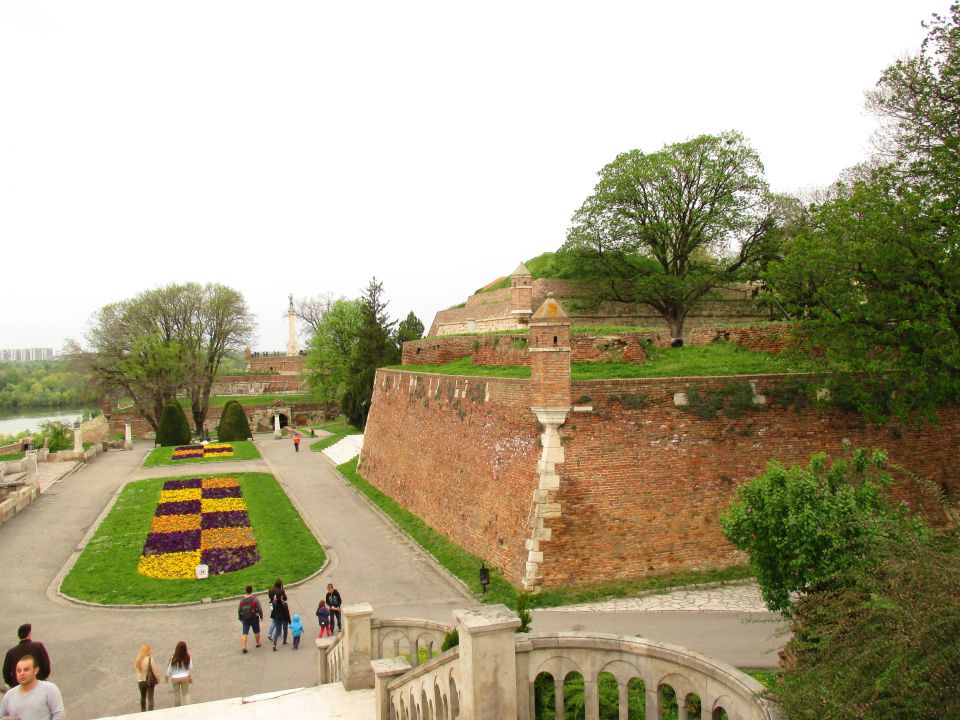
(147, 676)
(179, 671)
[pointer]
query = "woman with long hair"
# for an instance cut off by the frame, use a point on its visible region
(147, 676)
(179, 671)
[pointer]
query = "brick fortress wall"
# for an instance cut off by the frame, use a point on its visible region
(642, 483)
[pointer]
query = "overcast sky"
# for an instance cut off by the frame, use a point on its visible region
(288, 147)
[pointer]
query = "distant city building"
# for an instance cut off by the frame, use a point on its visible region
(26, 354)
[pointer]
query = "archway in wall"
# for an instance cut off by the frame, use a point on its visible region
(284, 420)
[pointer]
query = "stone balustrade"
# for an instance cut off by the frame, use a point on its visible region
(494, 672)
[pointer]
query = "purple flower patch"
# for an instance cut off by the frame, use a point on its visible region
(181, 541)
(181, 484)
(231, 518)
(226, 492)
(183, 507)
(223, 560)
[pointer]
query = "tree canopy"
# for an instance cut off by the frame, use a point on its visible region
(669, 227)
(164, 341)
(873, 273)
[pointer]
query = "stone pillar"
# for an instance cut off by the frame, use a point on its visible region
(357, 646)
(32, 470)
(385, 671)
(276, 426)
(128, 436)
(323, 645)
(77, 440)
(488, 663)
(292, 347)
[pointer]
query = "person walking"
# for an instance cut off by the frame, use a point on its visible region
(249, 613)
(279, 613)
(334, 602)
(180, 674)
(296, 443)
(296, 629)
(31, 698)
(26, 646)
(323, 615)
(147, 676)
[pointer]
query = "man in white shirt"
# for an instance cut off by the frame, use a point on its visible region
(32, 699)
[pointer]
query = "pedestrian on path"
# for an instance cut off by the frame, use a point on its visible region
(32, 699)
(279, 613)
(323, 615)
(249, 613)
(147, 676)
(296, 443)
(26, 646)
(180, 674)
(296, 629)
(334, 602)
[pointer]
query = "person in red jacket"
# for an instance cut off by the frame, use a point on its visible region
(296, 443)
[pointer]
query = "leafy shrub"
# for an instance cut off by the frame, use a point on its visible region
(523, 612)
(57, 436)
(733, 400)
(451, 639)
(885, 644)
(173, 428)
(233, 423)
(802, 526)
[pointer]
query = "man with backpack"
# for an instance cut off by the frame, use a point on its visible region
(249, 614)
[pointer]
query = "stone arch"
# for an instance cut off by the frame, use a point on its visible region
(636, 698)
(544, 688)
(694, 705)
(621, 670)
(610, 695)
(439, 706)
(558, 667)
(719, 709)
(425, 709)
(284, 420)
(454, 699)
(680, 684)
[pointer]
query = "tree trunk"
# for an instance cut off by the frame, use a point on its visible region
(675, 322)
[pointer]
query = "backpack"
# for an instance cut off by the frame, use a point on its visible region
(246, 609)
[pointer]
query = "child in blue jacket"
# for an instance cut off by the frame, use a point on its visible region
(296, 629)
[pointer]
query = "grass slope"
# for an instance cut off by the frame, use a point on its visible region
(242, 450)
(339, 428)
(106, 571)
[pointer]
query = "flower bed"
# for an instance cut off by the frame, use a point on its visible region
(202, 451)
(198, 521)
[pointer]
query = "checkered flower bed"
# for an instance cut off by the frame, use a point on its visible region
(198, 521)
(203, 451)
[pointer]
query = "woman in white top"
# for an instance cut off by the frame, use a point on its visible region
(179, 672)
(144, 666)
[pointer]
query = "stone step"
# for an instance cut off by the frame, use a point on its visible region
(15, 478)
(345, 450)
(325, 702)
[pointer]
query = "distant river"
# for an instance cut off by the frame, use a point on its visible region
(17, 420)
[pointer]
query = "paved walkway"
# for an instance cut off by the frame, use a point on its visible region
(92, 649)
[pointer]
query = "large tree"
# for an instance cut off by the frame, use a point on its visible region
(667, 228)
(331, 349)
(874, 272)
(164, 341)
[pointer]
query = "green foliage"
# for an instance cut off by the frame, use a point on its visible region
(804, 526)
(233, 423)
(636, 401)
(331, 349)
(523, 612)
(409, 329)
(57, 436)
(733, 400)
(667, 228)
(884, 644)
(450, 640)
(173, 428)
(574, 704)
(106, 571)
(42, 383)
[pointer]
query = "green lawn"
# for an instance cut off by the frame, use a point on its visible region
(466, 566)
(106, 571)
(13, 456)
(219, 401)
(242, 450)
(719, 358)
(338, 428)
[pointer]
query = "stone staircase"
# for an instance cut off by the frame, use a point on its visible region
(345, 450)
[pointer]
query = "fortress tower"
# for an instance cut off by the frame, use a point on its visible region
(521, 294)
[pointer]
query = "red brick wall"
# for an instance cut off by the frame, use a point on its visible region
(643, 481)
(460, 453)
(512, 349)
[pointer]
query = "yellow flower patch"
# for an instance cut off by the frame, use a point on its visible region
(170, 566)
(222, 505)
(226, 537)
(219, 482)
(172, 523)
(168, 496)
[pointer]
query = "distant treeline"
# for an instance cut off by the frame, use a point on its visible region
(41, 383)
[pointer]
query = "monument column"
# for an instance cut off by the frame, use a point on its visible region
(292, 347)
